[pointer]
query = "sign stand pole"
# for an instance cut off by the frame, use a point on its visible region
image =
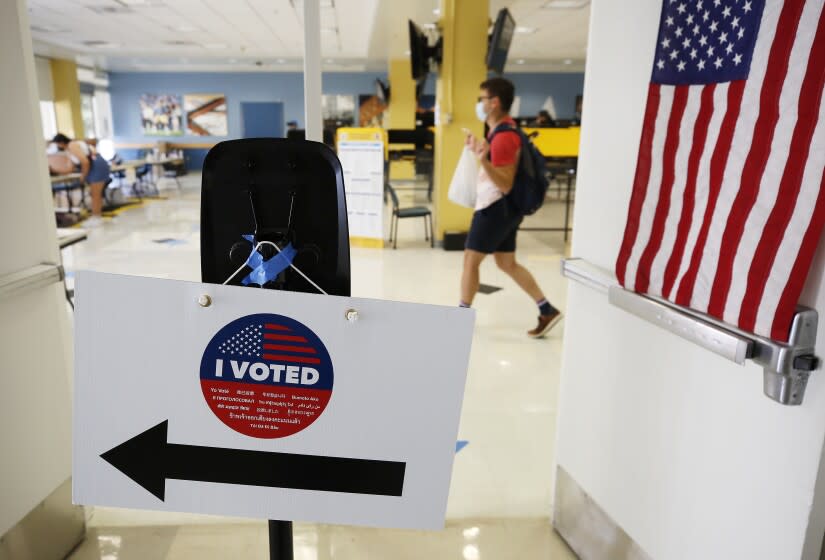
(280, 540)
(271, 208)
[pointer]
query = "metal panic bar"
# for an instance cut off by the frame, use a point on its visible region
(787, 366)
(29, 279)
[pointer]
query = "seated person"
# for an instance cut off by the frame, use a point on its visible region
(59, 161)
(543, 120)
(94, 171)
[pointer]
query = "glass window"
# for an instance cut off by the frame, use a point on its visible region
(48, 119)
(87, 112)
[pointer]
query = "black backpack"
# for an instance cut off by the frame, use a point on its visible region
(530, 184)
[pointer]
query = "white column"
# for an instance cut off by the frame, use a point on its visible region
(35, 334)
(312, 70)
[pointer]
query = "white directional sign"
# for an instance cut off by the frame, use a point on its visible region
(259, 403)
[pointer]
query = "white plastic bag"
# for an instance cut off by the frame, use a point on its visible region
(463, 186)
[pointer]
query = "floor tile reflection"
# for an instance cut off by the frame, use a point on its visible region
(525, 539)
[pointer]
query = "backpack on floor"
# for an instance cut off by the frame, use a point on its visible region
(530, 183)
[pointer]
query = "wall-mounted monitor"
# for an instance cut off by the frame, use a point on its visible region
(499, 42)
(382, 91)
(422, 56)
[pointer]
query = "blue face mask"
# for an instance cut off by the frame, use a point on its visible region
(482, 116)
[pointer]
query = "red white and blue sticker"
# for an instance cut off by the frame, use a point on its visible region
(266, 376)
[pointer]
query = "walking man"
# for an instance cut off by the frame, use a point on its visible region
(495, 221)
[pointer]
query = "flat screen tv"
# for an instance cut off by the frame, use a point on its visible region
(382, 91)
(499, 42)
(419, 47)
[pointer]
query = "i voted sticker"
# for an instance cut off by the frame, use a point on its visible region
(266, 376)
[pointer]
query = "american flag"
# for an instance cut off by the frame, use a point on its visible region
(270, 342)
(727, 204)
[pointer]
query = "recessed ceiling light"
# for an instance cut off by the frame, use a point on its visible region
(429, 26)
(437, 12)
(48, 29)
(105, 10)
(407, 53)
(568, 61)
(329, 61)
(525, 30)
(520, 61)
(101, 44)
(281, 60)
(565, 4)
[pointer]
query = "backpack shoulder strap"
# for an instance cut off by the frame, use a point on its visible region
(503, 127)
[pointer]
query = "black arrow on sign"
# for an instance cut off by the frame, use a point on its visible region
(149, 460)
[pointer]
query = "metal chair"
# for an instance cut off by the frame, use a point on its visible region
(409, 212)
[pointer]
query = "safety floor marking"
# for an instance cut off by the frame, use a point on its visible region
(488, 289)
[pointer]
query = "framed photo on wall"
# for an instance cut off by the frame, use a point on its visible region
(206, 114)
(161, 115)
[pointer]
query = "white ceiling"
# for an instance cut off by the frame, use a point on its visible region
(267, 35)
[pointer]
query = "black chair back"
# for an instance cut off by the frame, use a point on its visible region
(393, 195)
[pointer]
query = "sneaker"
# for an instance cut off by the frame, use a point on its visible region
(93, 222)
(546, 322)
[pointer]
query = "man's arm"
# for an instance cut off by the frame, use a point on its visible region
(502, 176)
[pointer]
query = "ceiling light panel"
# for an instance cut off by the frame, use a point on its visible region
(565, 4)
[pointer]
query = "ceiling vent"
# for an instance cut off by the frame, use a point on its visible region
(98, 43)
(110, 9)
(48, 29)
(565, 4)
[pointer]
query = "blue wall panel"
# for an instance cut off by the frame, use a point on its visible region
(288, 87)
(534, 89)
(126, 88)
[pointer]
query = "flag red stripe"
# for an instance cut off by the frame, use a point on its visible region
(272, 327)
(643, 164)
(285, 348)
(294, 359)
(718, 162)
(700, 134)
(780, 330)
(674, 125)
(810, 96)
(758, 154)
(286, 337)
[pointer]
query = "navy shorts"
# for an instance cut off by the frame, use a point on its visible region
(494, 229)
(98, 170)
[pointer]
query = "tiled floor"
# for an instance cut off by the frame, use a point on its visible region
(501, 492)
(467, 540)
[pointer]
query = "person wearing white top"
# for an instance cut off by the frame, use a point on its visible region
(94, 171)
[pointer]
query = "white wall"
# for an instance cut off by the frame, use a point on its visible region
(35, 337)
(45, 86)
(678, 446)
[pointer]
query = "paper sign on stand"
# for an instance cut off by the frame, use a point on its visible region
(267, 404)
(362, 152)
